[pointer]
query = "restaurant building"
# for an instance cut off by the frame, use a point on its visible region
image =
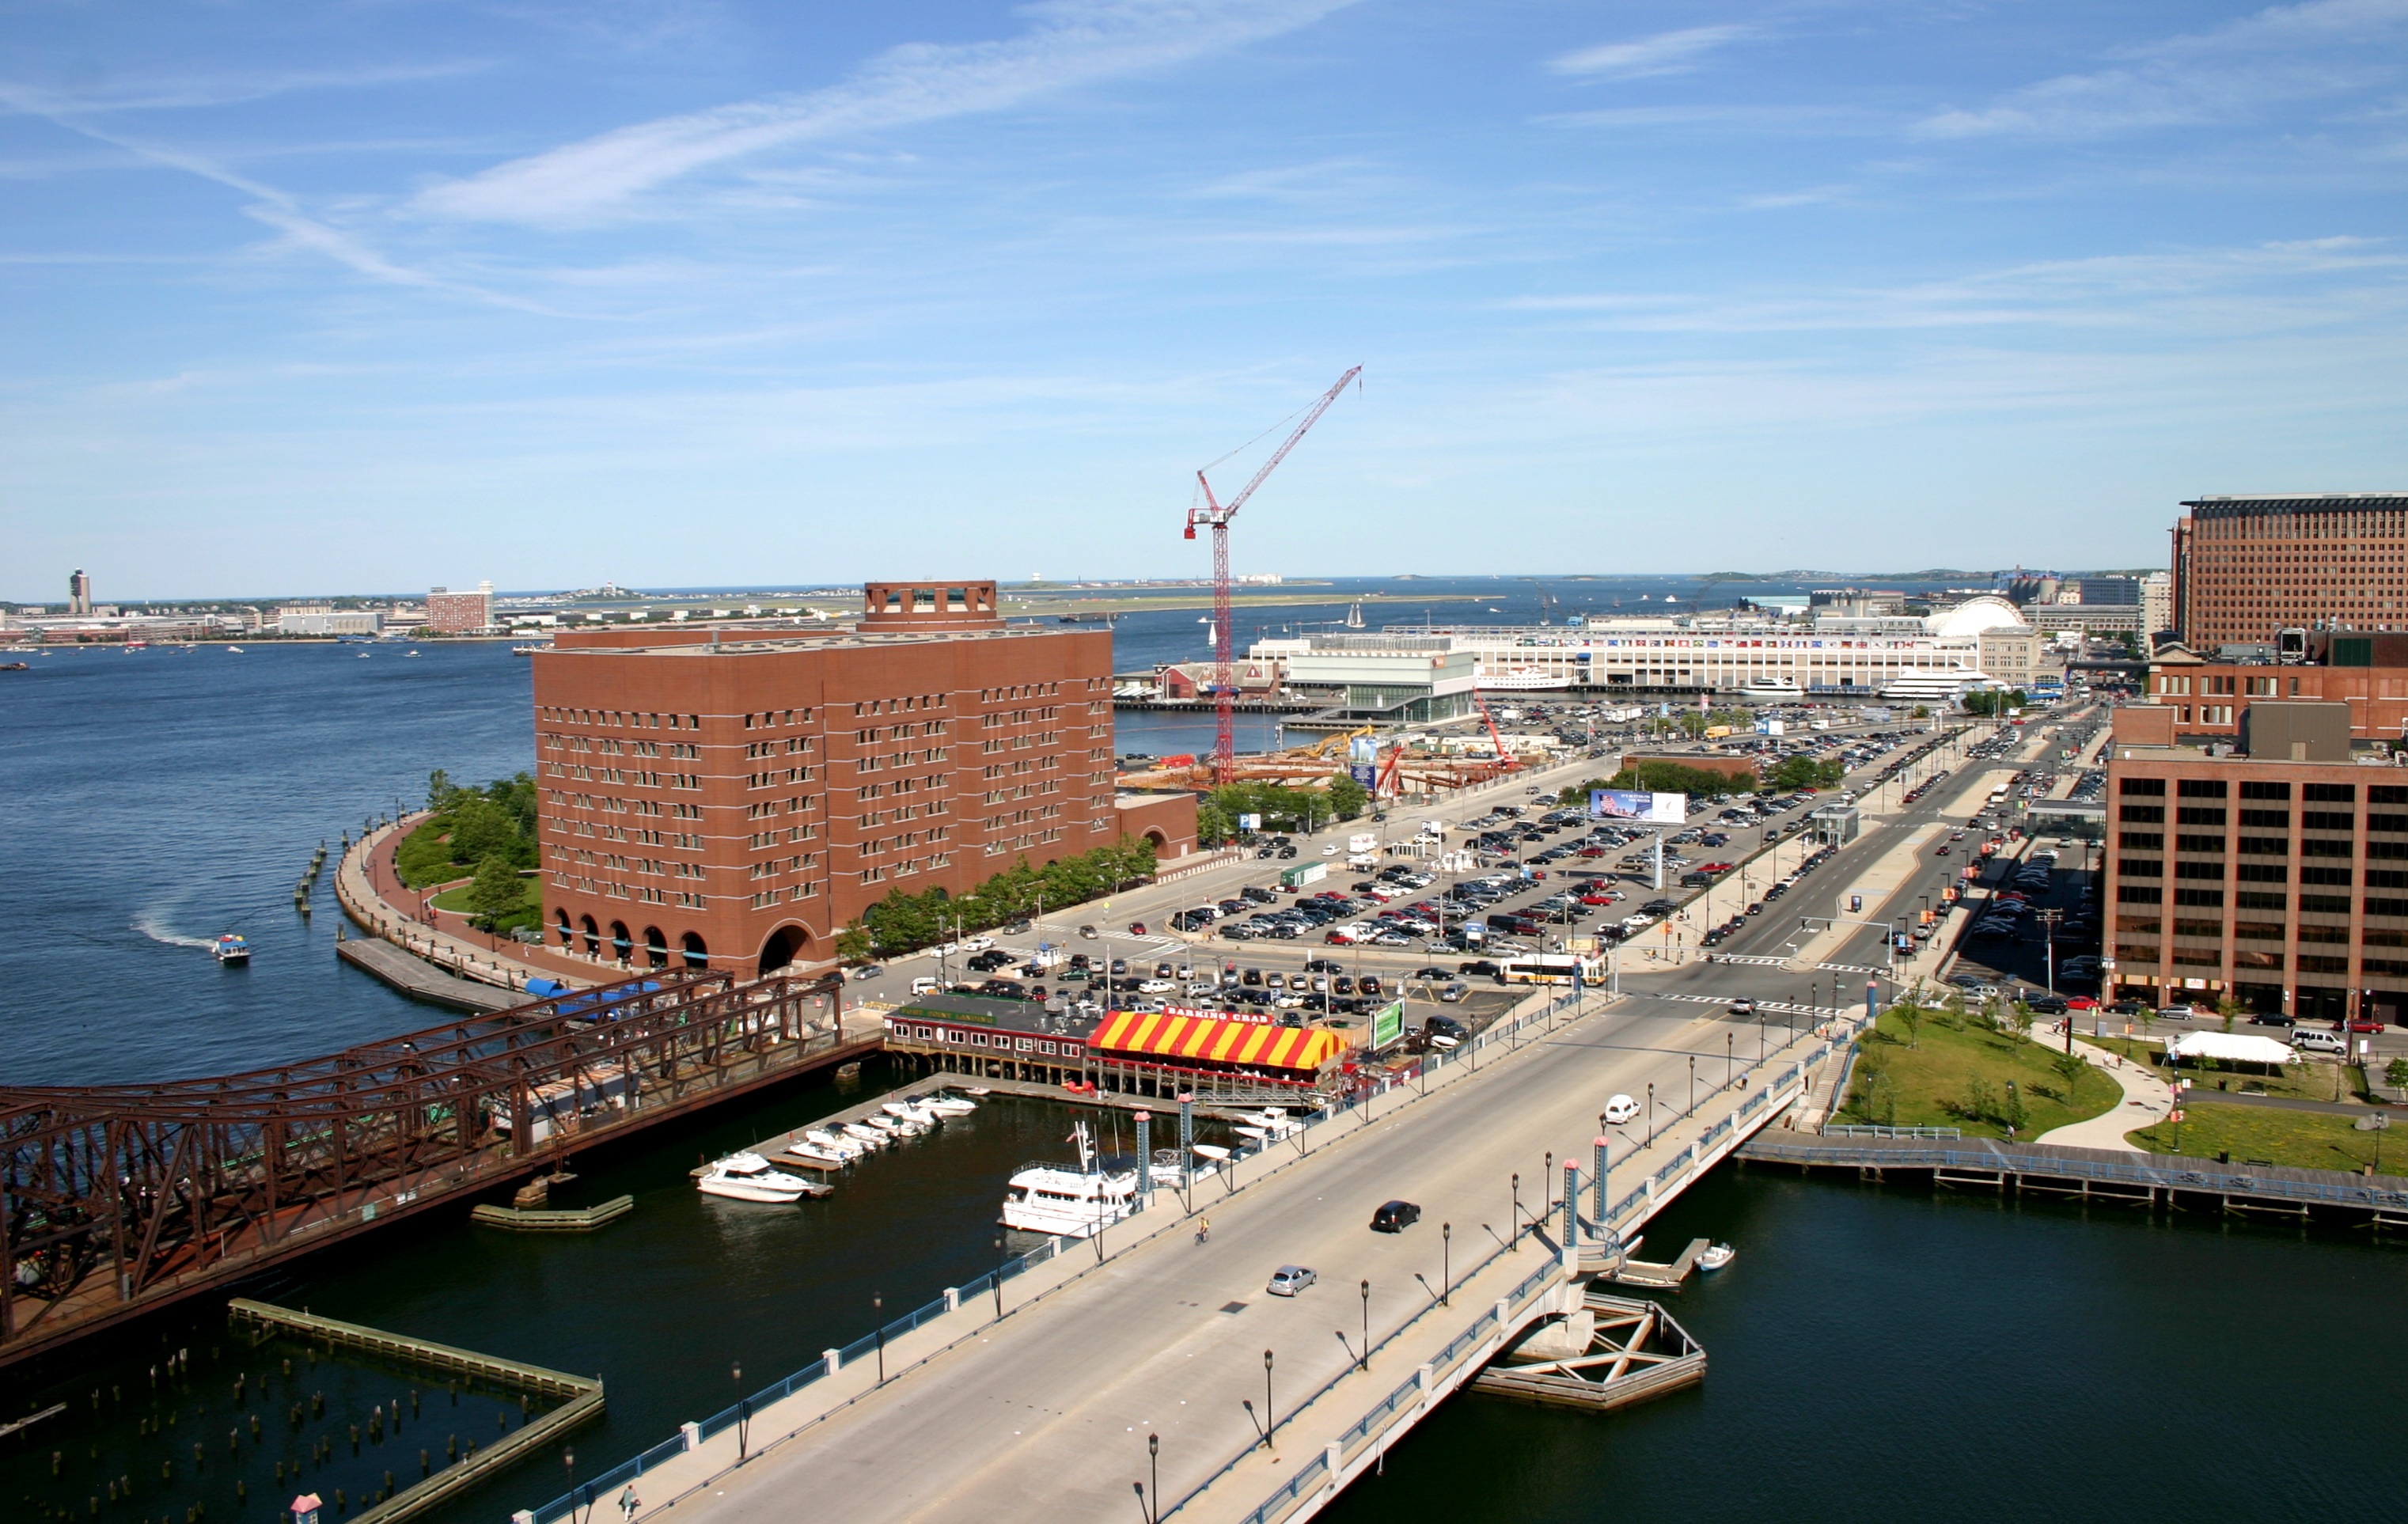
(734, 798)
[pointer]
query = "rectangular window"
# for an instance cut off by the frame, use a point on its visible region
(2155, 787)
(2188, 842)
(2322, 846)
(2308, 964)
(2386, 793)
(2204, 898)
(2328, 820)
(2261, 789)
(2262, 873)
(2328, 935)
(2258, 930)
(2389, 968)
(2142, 814)
(2199, 814)
(2202, 789)
(2338, 877)
(2145, 867)
(2141, 840)
(2328, 793)
(2139, 894)
(2387, 907)
(2205, 929)
(2276, 820)
(2386, 877)
(2145, 924)
(2200, 870)
(2259, 900)
(2265, 846)
(2386, 822)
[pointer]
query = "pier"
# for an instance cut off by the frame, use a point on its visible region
(421, 979)
(124, 1198)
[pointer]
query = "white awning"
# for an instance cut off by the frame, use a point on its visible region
(2233, 1047)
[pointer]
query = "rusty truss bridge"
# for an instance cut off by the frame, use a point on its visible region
(117, 1198)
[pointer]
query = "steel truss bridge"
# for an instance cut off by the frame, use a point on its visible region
(119, 1199)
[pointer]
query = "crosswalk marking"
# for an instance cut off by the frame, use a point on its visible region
(1784, 1007)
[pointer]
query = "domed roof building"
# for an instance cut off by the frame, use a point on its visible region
(1976, 617)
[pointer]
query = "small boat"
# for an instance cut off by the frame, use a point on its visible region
(410, 653)
(749, 1177)
(1214, 1152)
(803, 1149)
(975, 1090)
(17, 666)
(1716, 1256)
(869, 1135)
(230, 949)
(1258, 1134)
(945, 1105)
(910, 1111)
(234, 651)
(851, 1148)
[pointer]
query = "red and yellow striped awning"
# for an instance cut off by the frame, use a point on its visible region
(1216, 1040)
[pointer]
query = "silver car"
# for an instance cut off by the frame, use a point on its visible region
(1288, 1280)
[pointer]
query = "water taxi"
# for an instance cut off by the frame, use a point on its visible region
(230, 949)
(1055, 1199)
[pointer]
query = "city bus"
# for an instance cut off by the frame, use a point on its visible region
(1549, 968)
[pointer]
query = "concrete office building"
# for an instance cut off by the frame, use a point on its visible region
(2278, 878)
(2247, 568)
(734, 798)
(79, 592)
(2209, 701)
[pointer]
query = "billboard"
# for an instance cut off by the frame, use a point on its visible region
(1629, 804)
(1387, 1024)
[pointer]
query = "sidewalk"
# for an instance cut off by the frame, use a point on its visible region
(2146, 1101)
(361, 885)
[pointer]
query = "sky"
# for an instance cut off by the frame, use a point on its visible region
(376, 295)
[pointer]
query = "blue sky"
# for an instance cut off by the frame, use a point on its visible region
(374, 296)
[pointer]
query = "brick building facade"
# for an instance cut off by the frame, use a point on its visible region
(737, 797)
(2281, 883)
(2246, 567)
(460, 613)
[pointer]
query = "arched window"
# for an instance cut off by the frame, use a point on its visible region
(593, 936)
(698, 955)
(623, 945)
(567, 935)
(784, 945)
(656, 947)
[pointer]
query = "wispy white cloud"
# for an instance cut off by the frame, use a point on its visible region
(1070, 43)
(2323, 48)
(1666, 52)
(199, 91)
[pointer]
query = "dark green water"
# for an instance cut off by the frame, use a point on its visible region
(1873, 1351)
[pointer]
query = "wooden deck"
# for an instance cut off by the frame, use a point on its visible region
(421, 979)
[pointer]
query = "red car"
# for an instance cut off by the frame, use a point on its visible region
(2081, 1002)
(1137, 928)
(2361, 1024)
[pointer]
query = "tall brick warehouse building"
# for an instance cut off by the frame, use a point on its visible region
(734, 797)
(2245, 567)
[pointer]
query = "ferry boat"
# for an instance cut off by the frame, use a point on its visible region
(1771, 690)
(748, 1177)
(230, 949)
(1052, 1198)
(1934, 688)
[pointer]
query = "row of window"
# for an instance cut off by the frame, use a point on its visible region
(2262, 788)
(1046, 1046)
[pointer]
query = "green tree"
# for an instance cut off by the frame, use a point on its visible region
(1802, 771)
(2014, 1113)
(2069, 1067)
(2019, 1020)
(854, 944)
(439, 788)
(1215, 823)
(1910, 1014)
(2231, 1009)
(1347, 797)
(1981, 1099)
(495, 893)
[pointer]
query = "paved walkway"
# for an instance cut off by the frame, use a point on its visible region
(2146, 1101)
(380, 904)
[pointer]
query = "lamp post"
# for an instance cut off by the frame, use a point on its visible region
(1446, 1264)
(1693, 1083)
(1366, 1287)
(1517, 1210)
(1730, 1056)
(878, 1311)
(743, 1410)
(1271, 1413)
(999, 1262)
(568, 1463)
(1651, 1112)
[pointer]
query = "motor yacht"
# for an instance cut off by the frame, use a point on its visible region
(1060, 1201)
(851, 1148)
(945, 1105)
(874, 1137)
(749, 1177)
(803, 1149)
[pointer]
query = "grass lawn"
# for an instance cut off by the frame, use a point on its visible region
(456, 898)
(1958, 1078)
(2268, 1134)
(424, 856)
(2312, 1081)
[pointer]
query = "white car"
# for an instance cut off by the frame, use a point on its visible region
(1619, 1110)
(1156, 987)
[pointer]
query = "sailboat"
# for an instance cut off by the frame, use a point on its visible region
(1354, 616)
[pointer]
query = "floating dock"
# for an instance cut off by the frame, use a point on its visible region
(547, 1220)
(1634, 1351)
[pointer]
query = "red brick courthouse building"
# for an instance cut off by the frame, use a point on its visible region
(732, 796)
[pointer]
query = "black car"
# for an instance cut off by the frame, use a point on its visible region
(1395, 1217)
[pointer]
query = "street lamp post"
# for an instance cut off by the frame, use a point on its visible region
(1271, 1413)
(1366, 1296)
(878, 1311)
(1517, 1210)
(1651, 1112)
(743, 1410)
(1446, 1264)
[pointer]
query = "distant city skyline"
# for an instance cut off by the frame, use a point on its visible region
(427, 295)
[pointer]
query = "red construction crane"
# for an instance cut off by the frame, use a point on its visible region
(1216, 515)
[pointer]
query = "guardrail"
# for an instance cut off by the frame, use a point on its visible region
(1863, 1129)
(2197, 1176)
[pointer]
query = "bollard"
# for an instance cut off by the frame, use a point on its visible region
(693, 1433)
(952, 1299)
(835, 1360)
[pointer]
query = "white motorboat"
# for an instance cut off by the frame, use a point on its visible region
(818, 1153)
(1214, 1152)
(1276, 1122)
(975, 1090)
(945, 1105)
(894, 1127)
(869, 1135)
(1060, 1201)
(1716, 1256)
(749, 1177)
(852, 1148)
(1168, 1173)
(906, 1111)
(1258, 1134)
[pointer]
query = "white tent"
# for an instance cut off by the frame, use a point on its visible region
(2233, 1047)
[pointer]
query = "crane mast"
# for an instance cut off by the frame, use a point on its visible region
(1216, 515)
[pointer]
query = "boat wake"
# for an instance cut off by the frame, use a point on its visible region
(149, 926)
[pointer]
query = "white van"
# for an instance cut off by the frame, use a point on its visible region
(2317, 1039)
(926, 985)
